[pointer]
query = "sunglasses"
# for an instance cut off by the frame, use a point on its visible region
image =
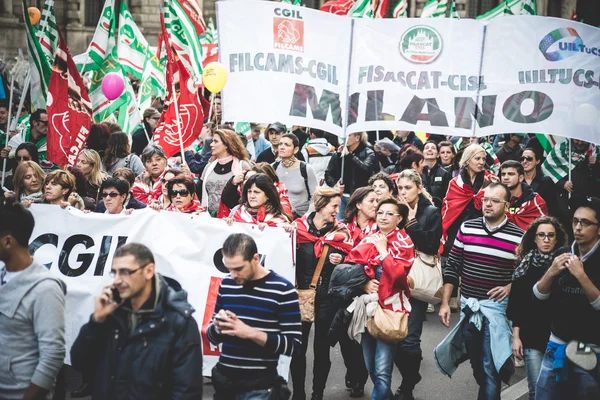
(529, 159)
(182, 193)
(25, 158)
(111, 195)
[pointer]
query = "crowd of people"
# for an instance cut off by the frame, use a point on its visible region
(515, 232)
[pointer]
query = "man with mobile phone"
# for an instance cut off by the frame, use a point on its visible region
(141, 341)
(257, 319)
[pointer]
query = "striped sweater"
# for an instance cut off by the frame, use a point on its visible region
(481, 258)
(269, 304)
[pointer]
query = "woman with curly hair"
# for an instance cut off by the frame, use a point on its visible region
(229, 158)
(531, 319)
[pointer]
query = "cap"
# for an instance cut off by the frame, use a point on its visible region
(278, 127)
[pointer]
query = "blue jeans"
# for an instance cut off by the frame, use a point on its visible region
(580, 384)
(343, 202)
(479, 349)
(379, 359)
(533, 363)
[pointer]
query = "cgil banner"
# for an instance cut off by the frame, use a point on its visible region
(79, 247)
(440, 75)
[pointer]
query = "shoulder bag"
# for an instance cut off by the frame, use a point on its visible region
(306, 297)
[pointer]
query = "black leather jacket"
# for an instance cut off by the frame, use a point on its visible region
(436, 181)
(160, 359)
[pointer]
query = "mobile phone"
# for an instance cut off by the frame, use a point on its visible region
(116, 297)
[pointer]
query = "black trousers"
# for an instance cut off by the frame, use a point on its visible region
(356, 372)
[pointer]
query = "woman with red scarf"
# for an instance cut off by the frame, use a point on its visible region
(260, 204)
(181, 192)
(148, 186)
(359, 215)
(387, 256)
(318, 232)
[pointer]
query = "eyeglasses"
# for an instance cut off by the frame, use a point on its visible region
(544, 236)
(125, 273)
(530, 159)
(182, 192)
(23, 158)
(493, 201)
(387, 214)
(585, 223)
(111, 195)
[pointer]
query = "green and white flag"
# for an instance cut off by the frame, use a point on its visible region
(153, 82)
(294, 3)
(39, 67)
(435, 9)
(132, 47)
(548, 141)
(528, 7)
(362, 9)
(184, 38)
(210, 35)
(557, 164)
(96, 53)
(510, 7)
(400, 9)
(245, 129)
(47, 33)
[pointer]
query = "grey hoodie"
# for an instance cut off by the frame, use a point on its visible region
(32, 333)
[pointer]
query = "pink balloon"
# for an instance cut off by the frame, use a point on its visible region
(112, 85)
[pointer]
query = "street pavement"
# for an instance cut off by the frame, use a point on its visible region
(435, 385)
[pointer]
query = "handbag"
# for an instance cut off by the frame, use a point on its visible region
(306, 297)
(425, 278)
(387, 325)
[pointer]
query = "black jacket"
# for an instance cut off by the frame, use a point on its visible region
(412, 138)
(358, 168)
(436, 181)
(161, 359)
(426, 232)
(544, 186)
(139, 140)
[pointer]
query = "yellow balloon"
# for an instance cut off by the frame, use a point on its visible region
(214, 77)
(34, 15)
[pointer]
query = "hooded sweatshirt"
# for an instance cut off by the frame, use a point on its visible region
(317, 153)
(32, 333)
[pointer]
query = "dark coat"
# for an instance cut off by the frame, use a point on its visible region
(139, 140)
(412, 138)
(358, 168)
(544, 186)
(427, 231)
(161, 359)
(436, 181)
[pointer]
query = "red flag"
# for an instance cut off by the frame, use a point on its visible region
(338, 7)
(189, 107)
(574, 16)
(212, 53)
(69, 109)
(193, 10)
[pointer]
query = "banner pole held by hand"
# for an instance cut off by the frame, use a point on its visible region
(10, 101)
(178, 119)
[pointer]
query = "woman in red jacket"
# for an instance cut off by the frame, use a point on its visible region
(359, 215)
(387, 256)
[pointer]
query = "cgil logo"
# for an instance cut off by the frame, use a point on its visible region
(421, 44)
(288, 33)
(564, 43)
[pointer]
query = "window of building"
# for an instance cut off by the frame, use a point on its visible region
(93, 10)
(478, 7)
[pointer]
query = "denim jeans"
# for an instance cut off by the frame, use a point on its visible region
(533, 363)
(379, 359)
(262, 394)
(479, 349)
(343, 202)
(580, 384)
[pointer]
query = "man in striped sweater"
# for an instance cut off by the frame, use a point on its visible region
(257, 319)
(482, 261)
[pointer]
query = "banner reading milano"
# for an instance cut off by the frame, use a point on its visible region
(440, 75)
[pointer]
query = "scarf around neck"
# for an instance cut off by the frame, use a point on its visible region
(36, 197)
(533, 259)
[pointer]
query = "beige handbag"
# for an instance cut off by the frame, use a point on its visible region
(306, 297)
(387, 325)
(425, 278)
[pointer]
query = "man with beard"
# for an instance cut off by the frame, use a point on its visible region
(257, 319)
(525, 205)
(482, 261)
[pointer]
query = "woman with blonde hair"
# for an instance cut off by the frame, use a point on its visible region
(28, 181)
(89, 164)
(229, 158)
(424, 227)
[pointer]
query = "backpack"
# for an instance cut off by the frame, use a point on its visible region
(302, 172)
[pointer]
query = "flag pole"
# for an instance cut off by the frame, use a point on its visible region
(23, 95)
(12, 89)
(569, 139)
(177, 116)
(139, 97)
(212, 98)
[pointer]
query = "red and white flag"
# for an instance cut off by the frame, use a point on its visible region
(338, 7)
(69, 109)
(189, 106)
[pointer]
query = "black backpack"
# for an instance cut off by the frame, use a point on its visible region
(302, 172)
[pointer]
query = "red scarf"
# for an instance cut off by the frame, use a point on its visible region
(284, 198)
(262, 216)
(401, 255)
(144, 193)
(457, 198)
(193, 207)
(526, 213)
(357, 233)
(338, 238)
